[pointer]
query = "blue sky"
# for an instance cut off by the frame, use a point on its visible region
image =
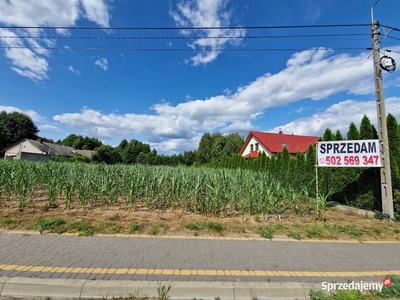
(170, 98)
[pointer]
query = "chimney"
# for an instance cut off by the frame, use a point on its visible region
(39, 140)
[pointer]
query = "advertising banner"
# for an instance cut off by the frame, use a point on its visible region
(363, 153)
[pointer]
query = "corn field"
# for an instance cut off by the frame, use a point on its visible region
(214, 192)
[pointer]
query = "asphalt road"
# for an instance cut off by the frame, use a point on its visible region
(192, 259)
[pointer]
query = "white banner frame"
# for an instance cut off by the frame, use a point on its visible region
(349, 153)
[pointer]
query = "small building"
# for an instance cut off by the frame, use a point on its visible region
(272, 143)
(85, 153)
(36, 150)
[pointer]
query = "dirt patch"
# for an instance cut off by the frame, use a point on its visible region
(118, 219)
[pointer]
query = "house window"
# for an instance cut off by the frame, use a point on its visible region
(257, 147)
(251, 148)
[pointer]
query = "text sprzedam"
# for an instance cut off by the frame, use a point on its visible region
(349, 147)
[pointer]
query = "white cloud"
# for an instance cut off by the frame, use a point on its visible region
(242, 128)
(39, 120)
(311, 10)
(172, 146)
(76, 72)
(48, 127)
(102, 63)
(34, 64)
(34, 12)
(169, 124)
(34, 115)
(206, 13)
(25, 62)
(299, 110)
(338, 117)
(97, 11)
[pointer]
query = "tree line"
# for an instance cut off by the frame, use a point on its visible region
(16, 126)
(354, 186)
(211, 147)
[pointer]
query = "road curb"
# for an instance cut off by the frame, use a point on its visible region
(37, 287)
(278, 238)
(100, 289)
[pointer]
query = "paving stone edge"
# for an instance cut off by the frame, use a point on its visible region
(102, 289)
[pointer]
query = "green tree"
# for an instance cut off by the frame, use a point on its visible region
(69, 140)
(81, 143)
(376, 137)
(366, 130)
(309, 175)
(217, 146)
(290, 173)
(14, 127)
(189, 157)
(300, 169)
(233, 143)
(286, 158)
(141, 158)
(328, 135)
(152, 158)
(91, 143)
(338, 136)
(132, 150)
(394, 145)
(46, 140)
(106, 154)
(353, 133)
(78, 143)
(122, 145)
(204, 150)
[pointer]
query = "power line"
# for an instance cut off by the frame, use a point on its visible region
(184, 37)
(183, 49)
(392, 37)
(339, 86)
(389, 43)
(390, 27)
(185, 28)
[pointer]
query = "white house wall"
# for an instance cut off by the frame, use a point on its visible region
(24, 146)
(12, 151)
(253, 141)
(29, 148)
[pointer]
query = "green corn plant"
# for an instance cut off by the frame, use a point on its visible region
(52, 181)
(197, 189)
(320, 206)
(70, 186)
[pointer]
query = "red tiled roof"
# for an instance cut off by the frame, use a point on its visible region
(275, 142)
(253, 154)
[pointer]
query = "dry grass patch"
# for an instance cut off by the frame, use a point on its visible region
(339, 225)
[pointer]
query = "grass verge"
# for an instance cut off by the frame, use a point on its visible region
(339, 225)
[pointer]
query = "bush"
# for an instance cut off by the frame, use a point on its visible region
(396, 201)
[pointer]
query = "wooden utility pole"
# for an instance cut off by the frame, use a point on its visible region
(386, 177)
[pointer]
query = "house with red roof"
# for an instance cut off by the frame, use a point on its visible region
(272, 143)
